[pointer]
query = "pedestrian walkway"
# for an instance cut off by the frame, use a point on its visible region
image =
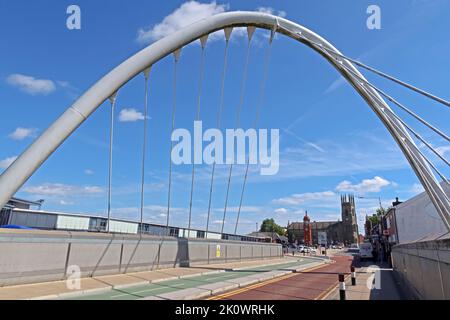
(201, 286)
(373, 282)
(100, 284)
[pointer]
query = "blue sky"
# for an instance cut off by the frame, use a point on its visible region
(331, 143)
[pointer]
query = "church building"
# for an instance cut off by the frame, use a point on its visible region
(344, 231)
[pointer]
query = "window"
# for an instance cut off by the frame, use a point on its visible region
(97, 224)
(201, 234)
(174, 232)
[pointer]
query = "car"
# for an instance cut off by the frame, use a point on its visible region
(313, 250)
(366, 251)
(354, 249)
(304, 249)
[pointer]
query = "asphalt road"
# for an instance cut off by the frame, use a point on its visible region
(307, 285)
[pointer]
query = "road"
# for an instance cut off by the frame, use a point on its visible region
(155, 289)
(310, 284)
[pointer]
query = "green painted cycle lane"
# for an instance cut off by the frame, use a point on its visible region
(142, 291)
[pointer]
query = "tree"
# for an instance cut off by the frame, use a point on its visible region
(375, 219)
(269, 225)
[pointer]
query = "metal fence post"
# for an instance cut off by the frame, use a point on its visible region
(341, 286)
(352, 270)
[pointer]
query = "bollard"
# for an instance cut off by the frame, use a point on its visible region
(352, 269)
(341, 287)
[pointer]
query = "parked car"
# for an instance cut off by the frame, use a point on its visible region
(313, 250)
(354, 249)
(366, 251)
(304, 249)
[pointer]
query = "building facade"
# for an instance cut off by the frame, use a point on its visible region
(345, 231)
(23, 214)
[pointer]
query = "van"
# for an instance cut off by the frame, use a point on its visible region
(366, 251)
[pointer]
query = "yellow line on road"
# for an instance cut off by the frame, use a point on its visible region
(257, 285)
(329, 290)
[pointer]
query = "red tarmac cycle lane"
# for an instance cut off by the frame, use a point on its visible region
(309, 285)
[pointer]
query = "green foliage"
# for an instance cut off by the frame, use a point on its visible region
(375, 219)
(381, 211)
(269, 225)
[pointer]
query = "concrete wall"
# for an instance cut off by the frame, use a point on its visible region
(28, 256)
(424, 267)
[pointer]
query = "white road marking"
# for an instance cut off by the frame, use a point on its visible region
(143, 291)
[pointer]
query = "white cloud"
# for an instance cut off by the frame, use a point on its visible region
(71, 91)
(272, 11)
(417, 188)
(31, 84)
(443, 150)
(365, 186)
(247, 209)
(66, 203)
(89, 172)
(22, 133)
(188, 13)
(5, 163)
(59, 189)
(297, 199)
(280, 211)
(130, 115)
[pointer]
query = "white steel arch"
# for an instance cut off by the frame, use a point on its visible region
(33, 157)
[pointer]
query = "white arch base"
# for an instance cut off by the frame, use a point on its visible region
(32, 158)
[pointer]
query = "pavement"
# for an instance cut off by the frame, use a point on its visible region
(374, 281)
(205, 285)
(130, 285)
(309, 284)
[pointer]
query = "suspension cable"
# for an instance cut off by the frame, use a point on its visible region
(176, 55)
(323, 48)
(144, 145)
(396, 116)
(258, 110)
(197, 118)
(390, 98)
(219, 118)
(112, 101)
(387, 96)
(250, 31)
(383, 109)
(378, 72)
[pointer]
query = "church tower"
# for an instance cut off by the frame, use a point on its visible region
(349, 220)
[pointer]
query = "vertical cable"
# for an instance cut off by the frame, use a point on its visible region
(144, 146)
(176, 55)
(257, 114)
(112, 100)
(219, 119)
(250, 31)
(197, 118)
